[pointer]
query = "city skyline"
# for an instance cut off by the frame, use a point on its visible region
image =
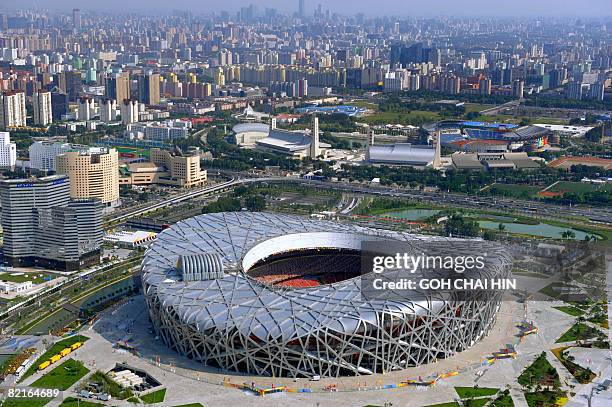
(401, 9)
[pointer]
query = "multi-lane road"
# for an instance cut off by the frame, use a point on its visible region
(584, 214)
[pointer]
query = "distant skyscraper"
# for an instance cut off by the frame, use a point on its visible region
(71, 83)
(574, 90)
(118, 87)
(12, 110)
(302, 9)
(42, 108)
(518, 88)
(108, 109)
(8, 151)
(485, 86)
(129, 111)
(59, 104)
(148, 89)
(76, 18)
(86, 108)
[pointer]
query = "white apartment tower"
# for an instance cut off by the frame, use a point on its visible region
(129, 111)
(108, 111)
(12, 110)
(42, 108)
(8, 150)
(86, 108)
(43, 154)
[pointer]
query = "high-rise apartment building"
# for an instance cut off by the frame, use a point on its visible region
(118, 87)
(76, 18)
(86, 108)
(148, 89)
(8, 151)
(518, 88)
(12, 110)
(93, 173)
(59, 104)
(43, 110)
(43, 227)
(108, 111)
(43, 154)
(129, 111)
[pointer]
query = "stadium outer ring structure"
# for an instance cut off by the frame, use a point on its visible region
(237, 323)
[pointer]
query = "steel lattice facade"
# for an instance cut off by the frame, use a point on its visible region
(240, 324)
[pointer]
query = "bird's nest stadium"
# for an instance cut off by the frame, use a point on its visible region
(280, 295)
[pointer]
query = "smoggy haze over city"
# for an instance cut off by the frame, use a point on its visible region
(566, 8)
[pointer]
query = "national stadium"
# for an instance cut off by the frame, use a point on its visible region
(280, 295)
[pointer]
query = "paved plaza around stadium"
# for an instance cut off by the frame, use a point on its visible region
(187, 381)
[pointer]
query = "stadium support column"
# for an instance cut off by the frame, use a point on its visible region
(369, 143)
(272, 123)
(437, 161)
(315, 151)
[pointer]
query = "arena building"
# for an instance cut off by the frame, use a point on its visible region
(281, 295)
(297, 144)
(491, 137)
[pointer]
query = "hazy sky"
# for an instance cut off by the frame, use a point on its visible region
(389, 7)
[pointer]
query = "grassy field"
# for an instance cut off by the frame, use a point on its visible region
(469, 392)
(516, 190)
(575, 187)
(24, 277)
(63, 376)
(54, 349)
(155, 397)
(74, 402)
(577, 332)
(451, 404)
(26, 402)
(573, 311)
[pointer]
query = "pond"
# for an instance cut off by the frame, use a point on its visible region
(541, 229)
(412, 214)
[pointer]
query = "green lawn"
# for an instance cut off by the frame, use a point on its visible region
(573, 311)
(54, 349)
(575, 187)
(33, 277)
(155, 397)
(550, 289)
(25, 402)
(63, 376)
(475, 402)
(577, 332)
(539, 372)
(515, 190)
(469, 392)
(451, 404)
(74, 402)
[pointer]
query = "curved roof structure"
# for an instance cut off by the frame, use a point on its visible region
(251, 127)
(239, 323)
(402, 153)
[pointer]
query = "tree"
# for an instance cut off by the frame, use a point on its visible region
(568, 234)
(255, 203)
(456, 225)
(501, 227)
